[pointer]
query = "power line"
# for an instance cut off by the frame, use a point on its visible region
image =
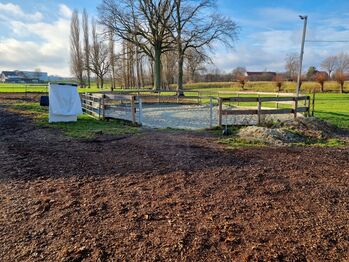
(327, 41)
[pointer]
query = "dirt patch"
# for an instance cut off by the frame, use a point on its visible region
(310, 126)
(300, 130)
(270, 136)
(162, 196)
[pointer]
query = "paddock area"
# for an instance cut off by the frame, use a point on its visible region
(197, 112)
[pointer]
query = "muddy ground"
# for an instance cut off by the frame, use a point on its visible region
(167, 196)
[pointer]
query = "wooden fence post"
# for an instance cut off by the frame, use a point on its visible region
(211, 111)
(103, 107)
(219, 111)
(295, 107)
(140, 110)
(313, 103)
(133, 113)
(99, 108)
(259, 110)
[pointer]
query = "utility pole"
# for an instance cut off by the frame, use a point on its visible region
(305, 18)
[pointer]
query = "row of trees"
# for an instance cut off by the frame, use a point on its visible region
(335, 67)
(157, 41)
(90, 57)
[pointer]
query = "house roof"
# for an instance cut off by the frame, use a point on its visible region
(9, 73)
(261, 73)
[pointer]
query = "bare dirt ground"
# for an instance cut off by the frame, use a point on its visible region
(167, 196)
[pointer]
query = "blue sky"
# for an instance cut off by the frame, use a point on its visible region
(35, 34)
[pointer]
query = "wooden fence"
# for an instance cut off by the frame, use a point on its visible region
(259, 111)
(97, 105)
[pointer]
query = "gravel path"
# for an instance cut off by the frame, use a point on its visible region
(192, 117)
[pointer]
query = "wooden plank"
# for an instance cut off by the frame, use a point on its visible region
(285, 102)
(119, 97)
(277, 99)
(302, 109)
(93, 104)
(300, 98)
(239, 99)
(119, 108)
(240, 112)
(278, 111)
(255, 93)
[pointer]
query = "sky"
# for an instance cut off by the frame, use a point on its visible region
(35, 33)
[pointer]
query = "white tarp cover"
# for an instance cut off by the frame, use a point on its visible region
(65, 103)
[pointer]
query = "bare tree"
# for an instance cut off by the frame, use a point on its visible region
(86, 55)
(237, 72)
(99, 62)
(342, 62)
(292, 65)
(169, 68)
(143, 23)
(321, 78)
(76, 57)
(329, 64)
(278, 80)
(242, 79)
(198, 26)
(112, 60)
(194, 62)
(341, 77)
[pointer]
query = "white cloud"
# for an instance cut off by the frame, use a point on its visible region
(275, 32)
(65, 11)
(11, 11)
(37, 44)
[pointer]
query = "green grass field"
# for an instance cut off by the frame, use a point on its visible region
(330, 86)
(40, 88)
(333, 107)
(86, 127)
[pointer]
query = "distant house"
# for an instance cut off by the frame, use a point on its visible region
(23, 77)
(260, 76)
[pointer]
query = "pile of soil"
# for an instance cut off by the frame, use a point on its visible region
(167, 196)
(310, 126)
(270, 136)
(289, 131)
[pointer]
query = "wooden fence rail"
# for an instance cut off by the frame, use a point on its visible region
(259, 111)
(97, 105)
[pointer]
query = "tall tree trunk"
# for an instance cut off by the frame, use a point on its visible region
(138, 77)
(157, 68)
(97, 81)
(152, 76)
(180, 75)
(141, 76)
(124, 65)
(102, 82)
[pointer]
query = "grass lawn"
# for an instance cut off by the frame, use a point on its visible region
(42, 88)
(333, 108)
(86, 127)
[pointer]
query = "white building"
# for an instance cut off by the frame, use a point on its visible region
(23, 77)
